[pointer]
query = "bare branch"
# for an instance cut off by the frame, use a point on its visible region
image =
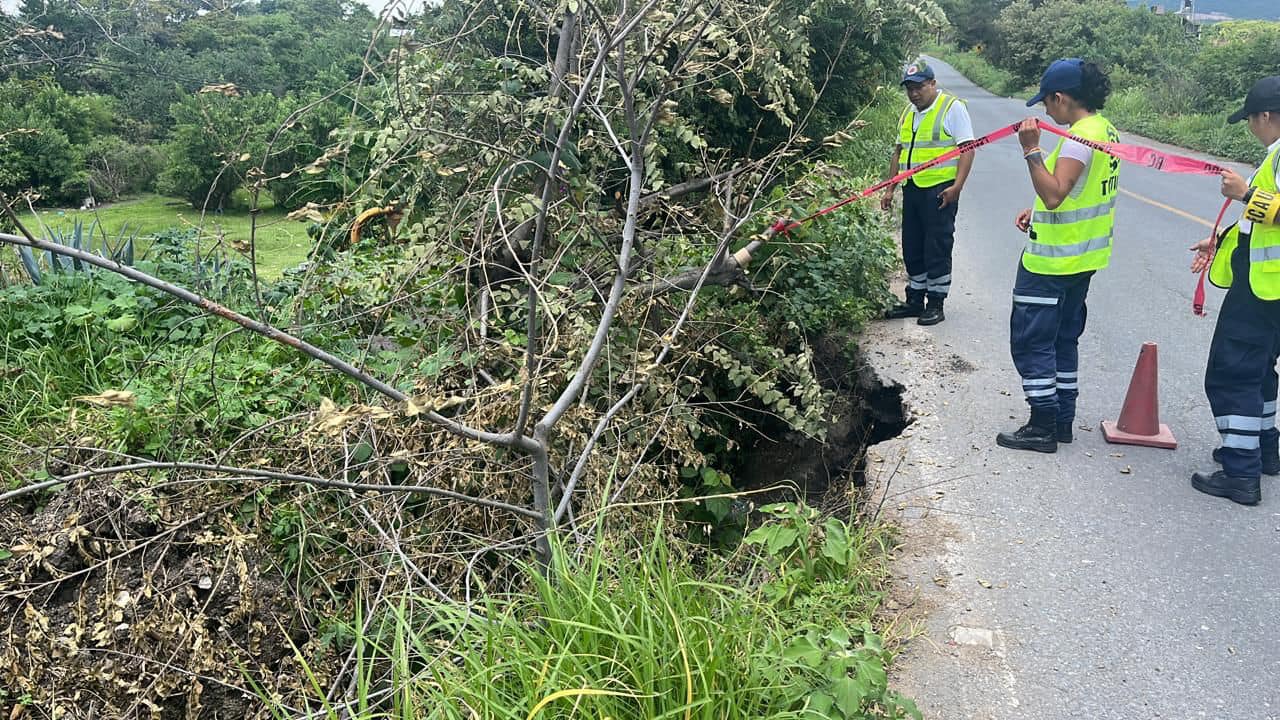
(266, 475)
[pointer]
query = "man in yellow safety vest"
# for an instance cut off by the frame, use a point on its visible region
(1240, 379)
(935, 124)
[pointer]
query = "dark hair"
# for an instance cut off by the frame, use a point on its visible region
(1094, 88)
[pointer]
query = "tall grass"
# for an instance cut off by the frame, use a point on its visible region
(982, 73)
(1131, 109)
(643, 634)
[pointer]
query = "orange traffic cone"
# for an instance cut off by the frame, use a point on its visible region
(1139, 422)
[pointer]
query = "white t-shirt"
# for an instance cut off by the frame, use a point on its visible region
(957, 122)
(1080, 153)
(1076, 151)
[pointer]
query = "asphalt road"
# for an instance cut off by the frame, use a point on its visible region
(1094, 583)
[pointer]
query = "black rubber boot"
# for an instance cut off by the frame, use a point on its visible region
(905, 310)
(1039, 434)
(1064, 432)
(913, 307)
(932, 315)
(1270, 462)
(1246, 491)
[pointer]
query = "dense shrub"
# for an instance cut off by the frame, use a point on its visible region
(117, 167)
(1168, 87)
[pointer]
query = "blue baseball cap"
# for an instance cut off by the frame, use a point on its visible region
(917, 71)
(1067, 74)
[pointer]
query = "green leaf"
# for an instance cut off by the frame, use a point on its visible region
(784, 537)
(5, 554)
(710, 476)
(872, 641)
(124, 323)
(820, 703)
(761, 535)
(362, 453)
(718, 507)
(871, 672)
(839, 638)
(898, 704)
(849, 696)
(805, 651)
(77, 313)
(836, 545)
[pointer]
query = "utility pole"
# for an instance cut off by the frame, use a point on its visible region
(1189, 25)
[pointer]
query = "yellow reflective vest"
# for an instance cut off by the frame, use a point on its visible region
(1264, 243)
(1076, 236)
(930, 140)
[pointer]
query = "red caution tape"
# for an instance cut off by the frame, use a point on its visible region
(1145, 156)
(1197, 299)
(1135, 154)
(1004, 132)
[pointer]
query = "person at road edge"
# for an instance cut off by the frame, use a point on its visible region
(1069, 236)
(1240, 378)
(934, 124)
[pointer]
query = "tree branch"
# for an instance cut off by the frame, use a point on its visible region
(267, 331)
(689, 187)
(724, 269)
(268, 475)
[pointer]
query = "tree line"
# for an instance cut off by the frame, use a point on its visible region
(1170, 84)
(183, 97)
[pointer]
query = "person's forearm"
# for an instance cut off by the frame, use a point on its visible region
(893, 163)
(962, 172)
(1045, 184)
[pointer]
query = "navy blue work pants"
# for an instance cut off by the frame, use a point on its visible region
(1240, 379)
(1048, 318)
(928, 235)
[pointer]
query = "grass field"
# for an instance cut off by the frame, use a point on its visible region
(281, 243)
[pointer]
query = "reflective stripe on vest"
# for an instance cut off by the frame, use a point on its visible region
(1076, 237)
(1264, 243)
(1072, 216)
(1069, 251)
(926, 142)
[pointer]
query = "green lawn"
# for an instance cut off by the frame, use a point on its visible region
(281, 243)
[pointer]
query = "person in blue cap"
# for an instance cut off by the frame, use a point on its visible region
(1069, 235)
(934, 124)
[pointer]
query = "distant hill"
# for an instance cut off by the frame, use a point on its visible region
(1237, 9)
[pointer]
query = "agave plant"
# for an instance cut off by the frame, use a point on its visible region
(121, 251)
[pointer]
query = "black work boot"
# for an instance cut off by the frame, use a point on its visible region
(1039, 434)
(1270, 461)
(1246, 491)
(932, 314)
(913, 307)
(1064, 432)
